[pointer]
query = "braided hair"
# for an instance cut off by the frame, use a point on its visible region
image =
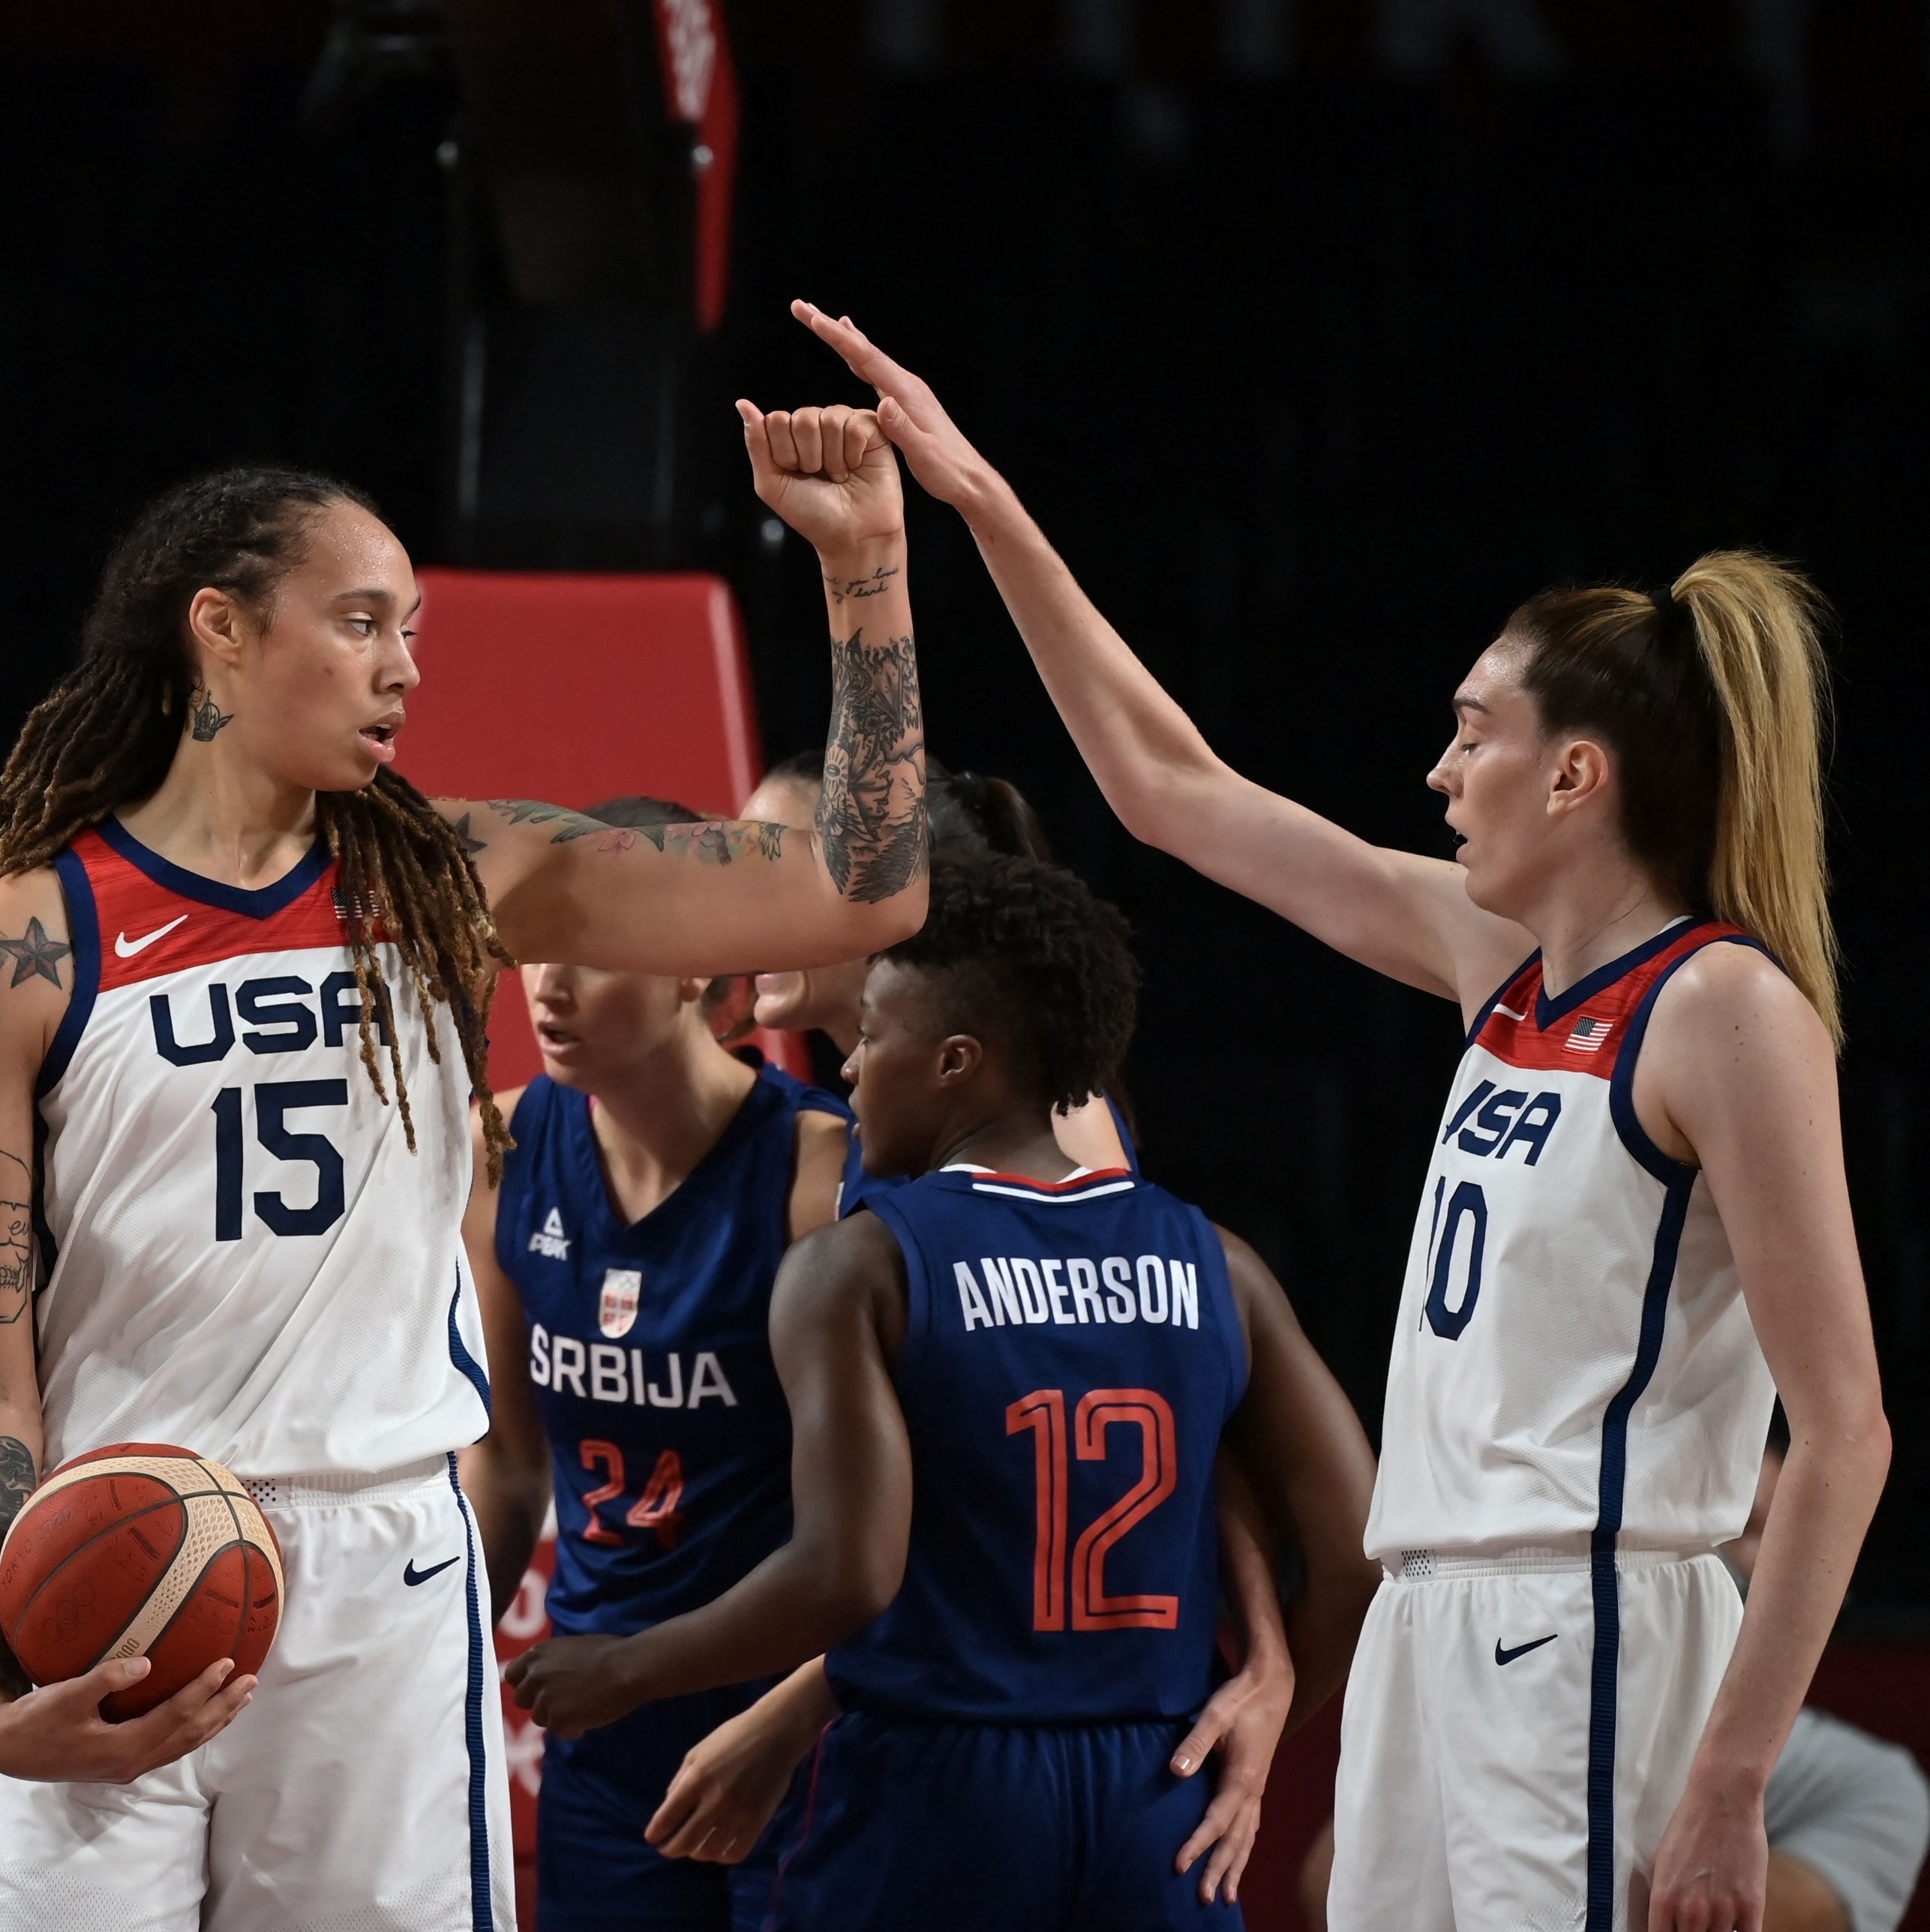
(107, 733)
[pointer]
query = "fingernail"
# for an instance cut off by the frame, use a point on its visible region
(1182, 1765)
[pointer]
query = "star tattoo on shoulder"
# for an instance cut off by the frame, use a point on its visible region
(207, 717)
(471, 845)
(34, 955)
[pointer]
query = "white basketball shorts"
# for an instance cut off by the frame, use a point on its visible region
(1516, 1735)
(363, 1790)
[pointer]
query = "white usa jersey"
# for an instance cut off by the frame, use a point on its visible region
(1573, 1365)
(245, 1259)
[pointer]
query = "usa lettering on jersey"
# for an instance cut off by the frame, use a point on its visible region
(1018, 1289)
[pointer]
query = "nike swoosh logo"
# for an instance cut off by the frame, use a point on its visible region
(127, 947)
(1520, 1650)
(412, 1576)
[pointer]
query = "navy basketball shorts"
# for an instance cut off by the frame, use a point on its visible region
(960, 1828)
(594, 1872)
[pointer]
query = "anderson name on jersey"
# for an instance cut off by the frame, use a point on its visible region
(1573, 1360)
(245, 1258)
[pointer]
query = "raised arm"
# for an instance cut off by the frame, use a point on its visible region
(1302, 1447)
(1404, 915)
(506, 1475)
(726, 896)
(1738, 1076)
(58, 1732)
(839, 1296)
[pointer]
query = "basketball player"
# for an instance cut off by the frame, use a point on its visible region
(962, 807)
(1636, 1202)
(624, 1268)
(216, 896)
(1047, 1356)
(729, 1786)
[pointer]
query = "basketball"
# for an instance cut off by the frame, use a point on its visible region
(139, 1550)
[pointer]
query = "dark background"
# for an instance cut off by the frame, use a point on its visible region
(1317, 336)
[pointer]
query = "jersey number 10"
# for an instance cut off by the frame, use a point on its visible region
(1043, 1411)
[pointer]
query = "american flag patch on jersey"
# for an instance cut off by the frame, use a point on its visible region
(1588, 1035)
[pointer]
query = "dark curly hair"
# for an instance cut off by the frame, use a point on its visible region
(1026, 955)
(106, 735)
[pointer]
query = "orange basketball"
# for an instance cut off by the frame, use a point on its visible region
(139, 1550)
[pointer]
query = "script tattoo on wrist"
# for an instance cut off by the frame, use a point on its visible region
(871, 814)
(533, 811)
(206, 717)
(876, 585)
(718, 841)
(17, 1484)
(34, 955)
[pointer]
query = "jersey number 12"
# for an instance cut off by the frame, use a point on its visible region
(1043, 1411)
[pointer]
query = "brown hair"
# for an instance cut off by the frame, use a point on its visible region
(1713, 698)
(107, 733)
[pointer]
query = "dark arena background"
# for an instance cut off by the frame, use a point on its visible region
(1317, 333)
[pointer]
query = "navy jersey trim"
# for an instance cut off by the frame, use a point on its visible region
(466, 1364)
(482, 1911)
(1548, 1011)
(1606, 1661)
(528, 1119)
(1494, 1000)
(1622, 1082)
(1124, 1133)
(83, 924)
(258, 902)
(919, 1302)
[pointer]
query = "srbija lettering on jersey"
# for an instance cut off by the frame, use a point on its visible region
(245, 1257)
(650, 1354)
(1573, 1361)
(1072, 1354)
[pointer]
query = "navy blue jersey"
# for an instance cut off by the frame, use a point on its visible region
(857, 1184)
(1071, 1355)
(650, 1353)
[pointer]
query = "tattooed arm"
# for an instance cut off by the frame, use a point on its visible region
(58, 1732)
(730, 896)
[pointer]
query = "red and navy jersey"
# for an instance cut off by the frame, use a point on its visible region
(669, 1435)
(1072, 1354)
(855, 1190)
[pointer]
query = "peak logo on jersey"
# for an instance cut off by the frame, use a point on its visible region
(1488, 1122)
(551, 1242)
(1589, 1034)
(616, 1310)
(1020, 1289)
(126, 948)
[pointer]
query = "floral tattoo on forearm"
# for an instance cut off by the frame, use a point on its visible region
(871, 814)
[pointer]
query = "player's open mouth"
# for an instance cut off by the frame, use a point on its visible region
(380, 739)
(555, 1040)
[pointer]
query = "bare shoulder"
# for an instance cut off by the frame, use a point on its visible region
(840, 1261)
(479, 1145)
(1727, 1000)
(822, 1140)
(37, 964)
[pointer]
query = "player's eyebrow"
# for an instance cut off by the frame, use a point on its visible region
(1463, 702)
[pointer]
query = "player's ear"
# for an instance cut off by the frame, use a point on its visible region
(1583, 772)
(218, 626)
(960, 1055)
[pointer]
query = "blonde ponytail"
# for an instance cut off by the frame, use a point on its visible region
(1756, 631)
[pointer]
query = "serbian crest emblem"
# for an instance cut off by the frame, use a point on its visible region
(617, 1313)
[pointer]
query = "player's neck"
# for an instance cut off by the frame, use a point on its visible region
(1014, 1143)
(218, 814)
(1591, 918)
(652, 1127)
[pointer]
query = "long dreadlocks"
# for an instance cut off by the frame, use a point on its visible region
(107, 733)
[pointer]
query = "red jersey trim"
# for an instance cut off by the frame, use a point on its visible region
(148, 930)
(1584, 1031)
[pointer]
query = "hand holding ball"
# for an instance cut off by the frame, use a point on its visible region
(139, 1550)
